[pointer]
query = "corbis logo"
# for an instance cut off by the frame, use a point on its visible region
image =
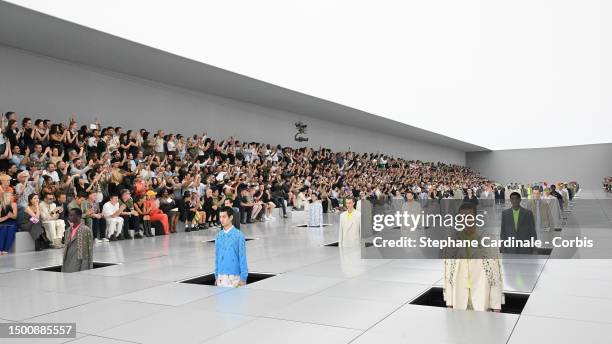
(301, 132)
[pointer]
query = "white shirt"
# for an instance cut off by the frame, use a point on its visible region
(54, 176)
(109, 209)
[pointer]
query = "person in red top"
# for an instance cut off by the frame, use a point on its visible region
(156, 214)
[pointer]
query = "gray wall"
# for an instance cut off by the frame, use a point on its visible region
(586, 164)
(36, 85)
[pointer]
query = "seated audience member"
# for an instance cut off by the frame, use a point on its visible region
(155, 214)
(93, 217)
(246, 206)
(268, 204)
(112, 215)
(78, 250)
(32, 223)
(52, 220)
(8, 222)
(131, 218)
(168, 207)
(143, 211)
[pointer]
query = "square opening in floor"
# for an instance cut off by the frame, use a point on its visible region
(515, 302)
(245, 239)
(335, 244)
(58, 268)
(209, 279)
(307, 226)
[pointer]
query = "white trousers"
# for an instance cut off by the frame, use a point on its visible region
(230, 281)
(114, 225)
(54, 229)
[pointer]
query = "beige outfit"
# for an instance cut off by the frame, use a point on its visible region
(53, 224)
(349, 234)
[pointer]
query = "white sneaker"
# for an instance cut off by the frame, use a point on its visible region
(271, 217)
(97, 241)
(105, 240)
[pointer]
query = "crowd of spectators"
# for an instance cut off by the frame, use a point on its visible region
(134, 183)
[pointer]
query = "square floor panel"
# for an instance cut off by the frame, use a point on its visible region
(383, 291)
(416, 324)
(530, 329)
(334, 311)
(172, 294)
(245, 301)
(295, 283)
(40, 303)
(277, 331)
(102, 315)
(177, 325)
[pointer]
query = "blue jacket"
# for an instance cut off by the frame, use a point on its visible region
(230, 254)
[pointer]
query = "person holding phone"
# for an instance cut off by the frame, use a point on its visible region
(52, 220)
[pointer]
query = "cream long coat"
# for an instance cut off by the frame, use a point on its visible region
(349, 234)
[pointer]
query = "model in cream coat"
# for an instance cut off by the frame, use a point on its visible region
(349, 234)
(474, 283)
(541, 211)
(553, 205)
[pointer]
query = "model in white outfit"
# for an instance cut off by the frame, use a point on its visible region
(475, 283)
(349, 234)
(412, 207)
(315, 213)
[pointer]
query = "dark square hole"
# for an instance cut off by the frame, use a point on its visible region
(543, 251)
(335, 244)
(245, 239)
(307, 226)
(209, 279)
(515, 302)
(58, 268)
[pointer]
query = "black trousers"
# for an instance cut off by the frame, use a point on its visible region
(246, 214)
(98, 227)
(280, 203)
(325, 204)
(130, 222)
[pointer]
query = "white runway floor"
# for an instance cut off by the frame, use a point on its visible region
(322, 295)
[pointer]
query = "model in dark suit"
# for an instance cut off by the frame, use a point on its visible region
(525, 228)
